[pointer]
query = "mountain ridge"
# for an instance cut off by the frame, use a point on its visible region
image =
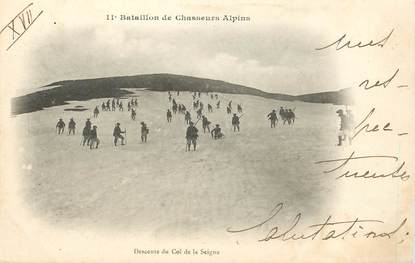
(86, 89)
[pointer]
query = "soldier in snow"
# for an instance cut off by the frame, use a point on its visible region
(93, 136)
(71, 126)
(117, 133)
(191, 136)
(60, 126)
(272, 116)
(217, 133)
(235, 122)
(144, 132)
(169, 115)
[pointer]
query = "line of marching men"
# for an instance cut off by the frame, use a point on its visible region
(90, 135)
(287, 115)
(90, 138)
(198, 106)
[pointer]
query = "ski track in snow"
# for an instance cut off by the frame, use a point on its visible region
(159, 188)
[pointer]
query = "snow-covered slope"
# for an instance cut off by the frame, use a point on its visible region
(160, 189)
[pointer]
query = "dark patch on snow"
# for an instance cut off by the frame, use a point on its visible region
(75, 109)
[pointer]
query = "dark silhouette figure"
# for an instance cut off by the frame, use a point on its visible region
(217, 133)
(94, 141)
(117, 133)
(191, 136)
(71, 126)
(235, 122)
(205, 124)
(144, 132)
(60, 126)
(96, 112)
(169, 115)
(272, 116)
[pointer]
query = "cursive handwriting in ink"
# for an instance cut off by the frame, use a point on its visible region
(274, 212)
(20, 24)
(340, 43)
(342, 163)
(366, 86)
(367, 128)
(327, 230)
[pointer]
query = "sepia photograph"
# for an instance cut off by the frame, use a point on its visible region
(227, 132)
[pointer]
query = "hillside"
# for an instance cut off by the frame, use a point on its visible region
(86, 89)
(340, 97)
(160, 190)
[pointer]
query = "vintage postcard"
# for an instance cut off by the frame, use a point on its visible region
(207, 131)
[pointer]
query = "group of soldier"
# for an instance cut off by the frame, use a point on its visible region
(89, 132)
(286, 115)
(178, 108)
(90, 137)
(112, 105)
(60, 126)
(199, 107)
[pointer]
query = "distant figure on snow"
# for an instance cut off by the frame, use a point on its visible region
(205, 124)
(345, 128)
(191, 136)
(108, 105)
(113, 104)
(239, 108)
(272, 116)
(210, 109)
(291, 116)
(187, 118)
(281, 113)
(88, 123)
(86, 135)
(144, 132)
(199, 113)
(93, 136)
(169, 115)
(96, 112)
(288, 116)
(235, 122)
(71, 126)
(217, 133)
(60, 126)
(117, 133)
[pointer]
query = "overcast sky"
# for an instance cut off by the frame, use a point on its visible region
(275, 59)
